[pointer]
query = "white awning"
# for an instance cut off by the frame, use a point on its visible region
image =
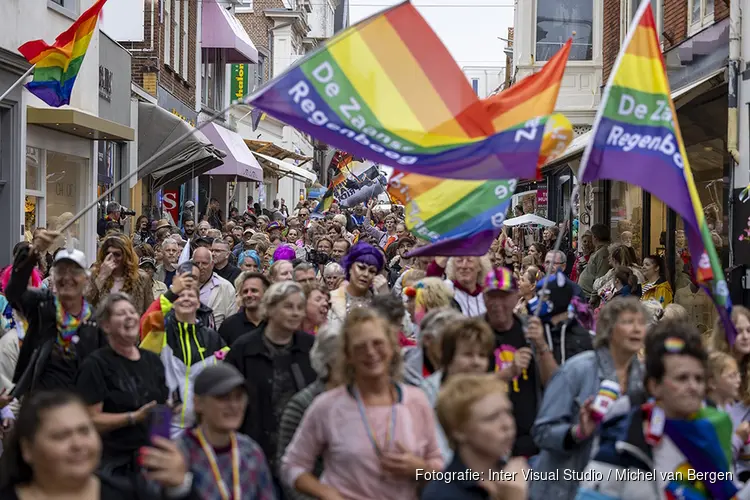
(289, 168)
(528, 219)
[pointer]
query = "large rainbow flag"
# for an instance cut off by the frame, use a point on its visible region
(637, 140)
(387, 90)
(463, 217)
(57, 65)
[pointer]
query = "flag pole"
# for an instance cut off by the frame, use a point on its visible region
(18, 82)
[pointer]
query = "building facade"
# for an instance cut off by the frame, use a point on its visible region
(695, 41)
(50, 169)
(485, 80)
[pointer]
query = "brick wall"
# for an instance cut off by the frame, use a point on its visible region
(148, 65)
(675, 23)
(721, 9)
(258, 27)
(610, 36)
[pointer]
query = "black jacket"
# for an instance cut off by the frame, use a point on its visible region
(251, 356)
(38, 307)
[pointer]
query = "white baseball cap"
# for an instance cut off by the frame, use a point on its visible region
(71, 255)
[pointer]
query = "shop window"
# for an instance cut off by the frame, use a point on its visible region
(66, 180)
(700, 14)
(555, 24)
(657, 228)
(626, 216)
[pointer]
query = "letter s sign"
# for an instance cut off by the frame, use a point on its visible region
(169, 201)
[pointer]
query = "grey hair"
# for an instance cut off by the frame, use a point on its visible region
(484, 266)
(333, 267)
(325, 349)
(104, 311)
(435, 321)
(563, 257)
(277, 293)
(169, 241)
(303, 266)
(610, 314)
(653, 311)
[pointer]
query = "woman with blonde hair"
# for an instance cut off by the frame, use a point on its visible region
(429, 294)
(373, 432)
(116, 270)
(465, 276)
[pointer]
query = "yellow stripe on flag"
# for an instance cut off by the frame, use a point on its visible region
(642, 74)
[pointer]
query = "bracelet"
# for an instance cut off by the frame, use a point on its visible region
(544, 349)
(131, 418)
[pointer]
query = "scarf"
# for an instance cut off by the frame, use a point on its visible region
(67, 324)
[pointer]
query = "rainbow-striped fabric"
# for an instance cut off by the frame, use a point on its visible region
(57, 65)
(464, 217)
(637, 139)
(388, 90)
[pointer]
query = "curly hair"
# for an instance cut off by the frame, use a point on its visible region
(484, 266)
(129, 262)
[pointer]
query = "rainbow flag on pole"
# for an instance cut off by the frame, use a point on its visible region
(637, 140)
(57, 65)
(387, 90)
(464, 217)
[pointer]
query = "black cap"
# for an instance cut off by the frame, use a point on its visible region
(218, 380)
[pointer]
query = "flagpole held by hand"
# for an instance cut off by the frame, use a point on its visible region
(17, 82)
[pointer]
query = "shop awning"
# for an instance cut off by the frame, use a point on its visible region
(271, 149)
(712, 79)
(80, 123)
(192, 156)
(239, 161)
(221, 30)
(287, 168)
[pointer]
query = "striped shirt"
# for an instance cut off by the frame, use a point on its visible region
(255, 477)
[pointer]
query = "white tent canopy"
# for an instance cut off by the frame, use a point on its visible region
(528, 219)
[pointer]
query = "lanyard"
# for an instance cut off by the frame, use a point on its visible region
(235, 451)
(389, 432)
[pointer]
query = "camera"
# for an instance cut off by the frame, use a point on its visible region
(124, 212)
(318, 258)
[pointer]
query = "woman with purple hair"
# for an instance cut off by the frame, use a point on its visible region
(361, 265)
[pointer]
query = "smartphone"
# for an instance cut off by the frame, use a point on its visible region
(160, 421)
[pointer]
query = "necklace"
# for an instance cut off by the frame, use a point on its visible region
(389, 432)
(68, 324)
(235, 451)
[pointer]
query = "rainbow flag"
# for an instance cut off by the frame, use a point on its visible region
(464, 217)
(57, 65)
(637, 140)
(706, 443)
(387, 90)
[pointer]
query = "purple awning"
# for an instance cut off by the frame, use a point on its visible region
(221, 30)
(239, 161)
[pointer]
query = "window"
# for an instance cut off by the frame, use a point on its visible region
(212, 80)
(54, 189)
(626, 215)
(176, 21)
(628, 9)
(475, 85)
(167, 32)
(185, 43)
(260, 72)
(68, 8)
(555, 23)
(700, 14)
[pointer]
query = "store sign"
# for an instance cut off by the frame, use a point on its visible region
(169, 201)
(541, 197)
(240, 81)
(105, 83)
(169, 102)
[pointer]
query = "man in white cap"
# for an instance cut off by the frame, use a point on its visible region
(61, 330)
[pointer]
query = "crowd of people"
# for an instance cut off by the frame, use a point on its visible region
(294, 354)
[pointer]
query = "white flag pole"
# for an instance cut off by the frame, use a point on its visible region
(17, 82)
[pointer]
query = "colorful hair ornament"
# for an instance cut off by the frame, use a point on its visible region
(410, 291)
(420, 285)
(674, 345)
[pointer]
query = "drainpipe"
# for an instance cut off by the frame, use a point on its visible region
(735, 25)
(733, 69)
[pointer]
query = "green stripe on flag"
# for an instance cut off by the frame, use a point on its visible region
(55, 73)
(638, 108)
(482, 199)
